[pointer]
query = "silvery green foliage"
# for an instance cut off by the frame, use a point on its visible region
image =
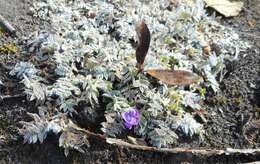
(63, 69)
(23, 68)
(155, 108)
(93, 37)
(192, 100)
(93, 57)
(102, 73)
(129, 73)
(68, 106)
(152, 62)
(38, 128)
(35, 90)
(143, 127)
(113, 125)
(117, 104)
(198, 9)
(47, 49)
(157, 102)
(42, 44)
(189, 126)
(214, 66)
(64, 88)
(90, 88)
(36, 39)
(73, 139)
(159, 132)
(105, 86)
(141, 84)
(162, 137)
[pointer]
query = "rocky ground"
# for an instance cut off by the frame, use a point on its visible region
(233, 115)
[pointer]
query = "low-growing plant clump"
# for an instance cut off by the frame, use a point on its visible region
(87, 64)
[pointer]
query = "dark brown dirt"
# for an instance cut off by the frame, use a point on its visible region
(233, 115)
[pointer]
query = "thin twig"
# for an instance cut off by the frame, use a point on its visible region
(91, 134)
(6, 97)
(201, 151)
(118, 156)
(6, 25)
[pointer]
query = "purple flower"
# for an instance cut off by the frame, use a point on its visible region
(130, 117)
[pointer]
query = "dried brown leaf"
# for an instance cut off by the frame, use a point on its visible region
(144, 38)
(174, 77)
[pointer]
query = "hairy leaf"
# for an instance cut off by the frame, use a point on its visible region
(162, 137)
(38, 128)
(73, 139)
(35, 90)
(189, 126)
(22, 69)
(113, 125)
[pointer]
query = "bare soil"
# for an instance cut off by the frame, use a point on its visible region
(232, 121)
(234, 114)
